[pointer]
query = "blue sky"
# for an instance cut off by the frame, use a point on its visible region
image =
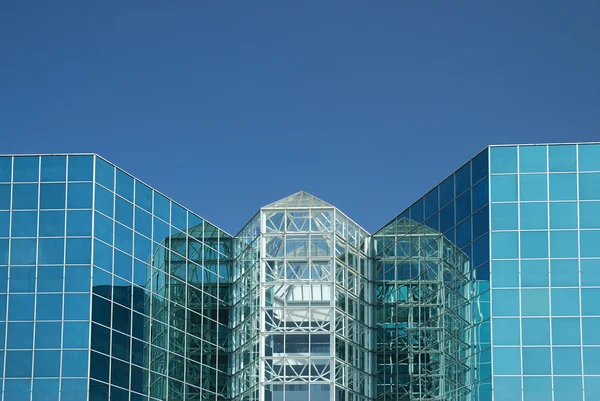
(227, 106)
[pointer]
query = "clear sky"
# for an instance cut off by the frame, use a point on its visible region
(229, 105)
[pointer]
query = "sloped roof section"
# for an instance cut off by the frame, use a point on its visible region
(299, 199)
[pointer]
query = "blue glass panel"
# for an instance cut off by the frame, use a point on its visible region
(505, 302)
(480, 194)
(179, 215)
(23, 251)
(590, 241)
(590, 327)
(20, 335)
(76, 335)
(120, 346)
(79, 196)
(563, 215)
(104, 201)
(565, 331)
(592, 387)
(103, 255)
(5, 224)
(123, 238)
(140, 270)
(537, 388)
(98, 391)
(101, 310)
(447, 217)
(503, 159)
(77, 306)
(565, 302)
(535, 302)
(81, 168)
(564, 273)
(563, 186)
(536, 331)
(45, 389)
(589, 214)
(103, 228)
(52, 334)
(589, 186)
(589, 157)
(534, 273)
(26, 168)
(532, 159)
(143, 222)
(534, 187)
(567, 388)
(506, 331)
(142, 247)
(447, 191)
(52, 223)
(77, 278)
(18, 364)
(25, 196)
(536, 361)
(3, 306)
(100, 339)
(105, 174)
(463, 179)
(123, 265)
(505, 216)
(507, 361)
(481, 253)
(46, 363)
(120, 373)
(22, 279)
(505, 273)
(52, 196)
(124, 212)
(50, 279)
(504, 188)
(79, 223)
(162, 207)
(79, 251)
(562, 157)
(590, 272)
(51, 251)
(563, 244)
(124, 185)
(3, 252)
(534, 244)
(161, 231)
(143, 196)
(74, 363)
(17, 389)
(54, 168)
(463, 233)
(4, 196)
(5, 168)
(505, 245)
(49, 307)
(99, 366)
(567, 361)
(3, 280)
(506, 388)
(534, 216)
(481, 223)
(463, 206)
(24, 224)
(589, 301)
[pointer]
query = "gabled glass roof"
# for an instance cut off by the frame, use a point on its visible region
(299, 199)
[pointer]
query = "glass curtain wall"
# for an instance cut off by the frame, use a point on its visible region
(545, 220)
(436, 252)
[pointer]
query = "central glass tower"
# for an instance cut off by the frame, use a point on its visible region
(307, 263)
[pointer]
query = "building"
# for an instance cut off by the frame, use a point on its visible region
(485, 289)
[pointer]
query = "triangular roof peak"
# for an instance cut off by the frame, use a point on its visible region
(299, 199)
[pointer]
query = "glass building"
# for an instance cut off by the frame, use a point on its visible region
(485, 289)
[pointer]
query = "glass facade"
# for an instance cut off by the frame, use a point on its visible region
(485, 289)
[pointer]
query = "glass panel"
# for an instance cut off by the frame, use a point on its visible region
(54, 168)
(504, 188)
(532, 159)
(26, 168)
(563, 186)
(533, 187)
(503, 159)
(534, 216)
(105, 174)
(562, 157)
(589, 186)
(81, 168)
(589, 157)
